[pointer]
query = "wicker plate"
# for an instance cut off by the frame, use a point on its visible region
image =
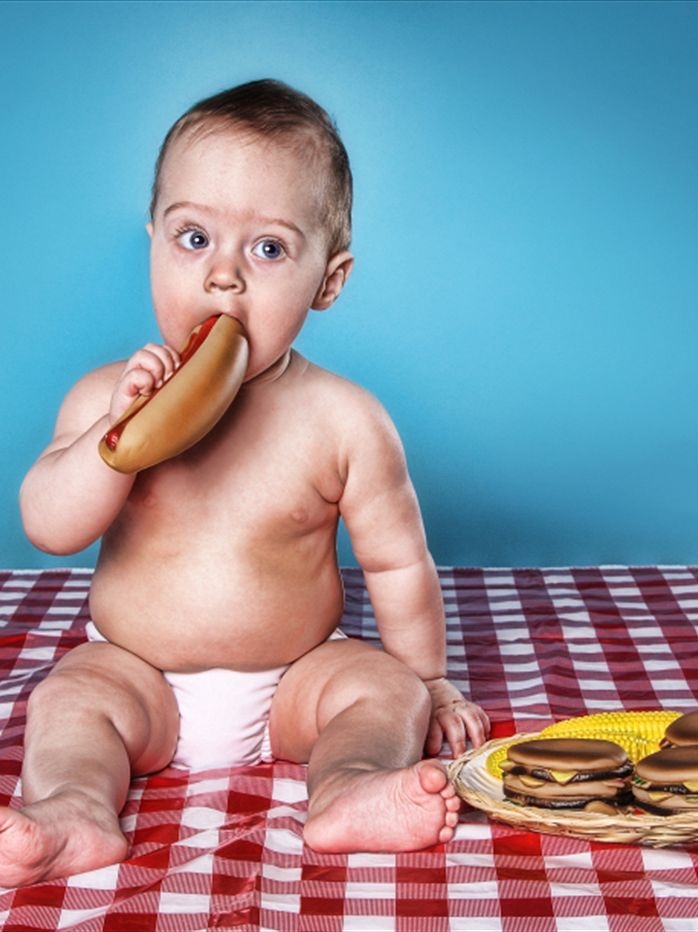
(480, 789)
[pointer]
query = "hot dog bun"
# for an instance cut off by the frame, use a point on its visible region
(189, 404)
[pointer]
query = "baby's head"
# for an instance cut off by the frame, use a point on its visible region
(273, 111)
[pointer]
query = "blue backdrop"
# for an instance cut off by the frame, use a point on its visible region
(526, 232)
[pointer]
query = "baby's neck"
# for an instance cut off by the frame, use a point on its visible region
(274, 372)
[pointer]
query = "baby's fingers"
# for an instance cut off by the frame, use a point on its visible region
(456, 725)
(435, 737)
(448, 726)
(477, 724)
(144, 372)
(159, 361)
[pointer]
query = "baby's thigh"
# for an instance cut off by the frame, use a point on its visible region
(98, 681)
(328, 680)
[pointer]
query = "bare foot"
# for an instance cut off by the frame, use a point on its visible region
(65, 834)
(383, 810)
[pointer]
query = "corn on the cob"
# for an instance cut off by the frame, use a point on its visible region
(638, 733)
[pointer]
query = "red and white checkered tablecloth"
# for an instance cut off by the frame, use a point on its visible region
(224, 850)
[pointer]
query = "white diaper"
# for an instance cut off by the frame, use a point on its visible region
(223, 714)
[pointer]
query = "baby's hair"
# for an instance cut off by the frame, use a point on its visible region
(273, 110)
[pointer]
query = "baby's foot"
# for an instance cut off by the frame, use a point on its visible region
(65, 834)
(384, 810)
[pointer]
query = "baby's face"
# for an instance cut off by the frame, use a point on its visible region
(237, 230)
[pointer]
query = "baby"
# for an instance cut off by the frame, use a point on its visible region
(219, 566)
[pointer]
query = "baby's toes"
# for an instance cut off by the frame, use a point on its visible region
(451, 818)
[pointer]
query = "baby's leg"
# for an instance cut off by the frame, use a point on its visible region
(360, 718)
(101, 714)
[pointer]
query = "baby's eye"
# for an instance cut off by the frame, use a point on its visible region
(269, 249)
(192, 239)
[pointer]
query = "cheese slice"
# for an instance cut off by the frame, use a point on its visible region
(563, 776)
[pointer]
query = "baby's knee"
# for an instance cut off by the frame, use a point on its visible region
(65, 690)
(417, 693)
(388, 681)
(83, 684)
(84, 693)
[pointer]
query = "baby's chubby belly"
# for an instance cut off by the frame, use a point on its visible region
(190, 594)
(193, 616)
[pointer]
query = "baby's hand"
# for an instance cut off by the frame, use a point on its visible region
(144, 372)
(454, 718)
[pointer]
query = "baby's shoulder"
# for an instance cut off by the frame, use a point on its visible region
(350, 407)
(339, 393)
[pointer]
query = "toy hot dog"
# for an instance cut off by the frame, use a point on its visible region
(177, 415)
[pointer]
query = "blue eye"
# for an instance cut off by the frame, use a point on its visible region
(192, 239)
(269, 249)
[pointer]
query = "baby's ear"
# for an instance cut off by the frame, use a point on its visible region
(149, 229)
(336, 274)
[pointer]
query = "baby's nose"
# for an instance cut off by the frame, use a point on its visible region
(224, 276)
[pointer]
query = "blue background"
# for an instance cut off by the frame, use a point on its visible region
(524, 299)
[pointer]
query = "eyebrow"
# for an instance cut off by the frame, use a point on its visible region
(179, 205)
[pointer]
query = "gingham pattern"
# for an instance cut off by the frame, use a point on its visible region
(224, 850)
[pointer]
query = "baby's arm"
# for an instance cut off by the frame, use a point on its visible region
(380, 509)
(70, 496)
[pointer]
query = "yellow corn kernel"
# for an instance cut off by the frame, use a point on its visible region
(495, 760)
(638, 733)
